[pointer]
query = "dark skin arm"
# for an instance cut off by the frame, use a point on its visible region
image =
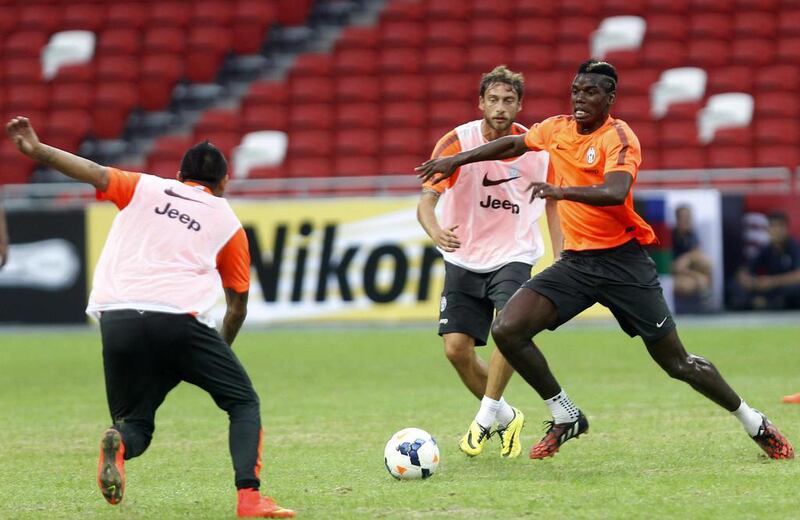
(611, 192)
(234, 314)
(502, 148)
(3, 238)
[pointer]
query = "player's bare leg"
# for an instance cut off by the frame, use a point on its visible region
(704, 377)
(473, 371)
(526, 314)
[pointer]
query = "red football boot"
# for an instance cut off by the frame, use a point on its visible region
(253, 505)
(111, 467)
(772, 441)
(558, 434)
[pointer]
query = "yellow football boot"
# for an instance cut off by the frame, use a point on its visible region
(509, 436)
(472, 442)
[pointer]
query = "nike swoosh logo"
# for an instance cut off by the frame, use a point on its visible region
(491, 182)
(171, 193)
(662, 322)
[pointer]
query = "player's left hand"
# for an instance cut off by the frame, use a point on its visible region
(22, 134)
(543, 190)
(439, 169)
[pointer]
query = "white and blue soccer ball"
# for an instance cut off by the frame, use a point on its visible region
(411, 453)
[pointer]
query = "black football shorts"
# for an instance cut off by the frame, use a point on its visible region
(622, 278)
(470, 299)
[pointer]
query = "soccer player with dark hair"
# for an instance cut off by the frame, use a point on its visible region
(158, 276)
(489, 238)
(596, 159)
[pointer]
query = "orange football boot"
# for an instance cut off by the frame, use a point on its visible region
(794, 398)
(253, 505)
(111, 467)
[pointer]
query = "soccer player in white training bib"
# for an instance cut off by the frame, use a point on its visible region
(489, 237)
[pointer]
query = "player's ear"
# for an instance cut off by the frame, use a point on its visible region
(612, 97)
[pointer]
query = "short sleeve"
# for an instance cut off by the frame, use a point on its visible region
(447, 146)
(233, 263)
(538, 136)
(622, 151)
(121, 187)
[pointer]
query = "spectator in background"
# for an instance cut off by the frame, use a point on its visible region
(3, 237)
(771, 281)
(691, 268)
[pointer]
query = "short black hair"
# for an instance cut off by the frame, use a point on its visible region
(203, 162)
(603, 68)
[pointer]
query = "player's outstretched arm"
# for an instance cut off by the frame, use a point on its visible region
(444, 167)
(22, 134)
(235, 313)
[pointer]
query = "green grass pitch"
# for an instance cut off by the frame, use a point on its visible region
(331, 399)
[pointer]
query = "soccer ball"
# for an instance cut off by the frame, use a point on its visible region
(411, 453)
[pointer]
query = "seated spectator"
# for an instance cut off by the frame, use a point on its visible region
(772, 280)
(691, 268)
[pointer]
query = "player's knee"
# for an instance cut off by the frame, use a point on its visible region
(505, 334)
(458, 353)
(688, 368)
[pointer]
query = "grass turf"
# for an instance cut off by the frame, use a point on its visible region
(331, 399)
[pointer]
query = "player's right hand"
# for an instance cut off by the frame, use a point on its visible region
(23, 136)
(440, 168)
(447, 240)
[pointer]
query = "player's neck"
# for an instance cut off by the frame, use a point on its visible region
(490, 134)
(589, 128)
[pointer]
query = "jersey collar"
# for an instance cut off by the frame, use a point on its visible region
(198, 185)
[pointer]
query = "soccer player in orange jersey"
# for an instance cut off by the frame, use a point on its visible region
(596, 159)
(170, 246)
(489, 237)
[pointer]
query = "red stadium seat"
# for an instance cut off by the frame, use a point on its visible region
(636, 81)
(716, 6)
(359, 37)
(682, 158)
(311, 90)
(305, 116)
(312, 64)
(32, 17)
(358, 115)
(451, 113)
(525, 54)
(710, 25)
(268, 172)
(158, 77)
(265, 93)
(16, 167)
(753, 51)
(755, 24)
(777, 77)
(489, 9)
(224, 141)
(313, 143)
(166, 13)
(789, 50)
(207, 48)
(534, 8)
(447, 10)
(539, 109)
(252, 19)
(399, 164)
(778, 131)
(130, 15)
(293, 12)
(165, 40)
(165, 157)
(624, 58)
(402, 114)
(402, 33)
(570, 8)
(356, 61)
(210, 13)
(410, 87)
(25, 44)
(779, 155)
(576, 29)
(72, 96)
(67, 128)
(405, 141)
(752, 5)
(730, 157)
(648, 134)
(490, 31)
(356, 142)
(407, 11)
(776, 104)
(122, 41)
(534, 30)
(300, 167)
(117, 68)
(357, 88)
(482, 59)
(264, 117)
(741, 137)
(683, 111)
(88, 17)
(24, 97)
(22, 70)
(664, 54)
(730, 79)
(356, 165)
(79, 73)
(632, 107)
(679, 134)
(461, 86)
(789, 22)
(570, 55)
(447, 32)
(113, 103)
(666, 27)
(708, 53)
(624, 7)
(217, 120)
(405, 60)
(552, 83)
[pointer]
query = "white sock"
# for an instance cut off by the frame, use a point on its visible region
(488, 412)
(750, 419)
(505, 414)
(563, 410)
